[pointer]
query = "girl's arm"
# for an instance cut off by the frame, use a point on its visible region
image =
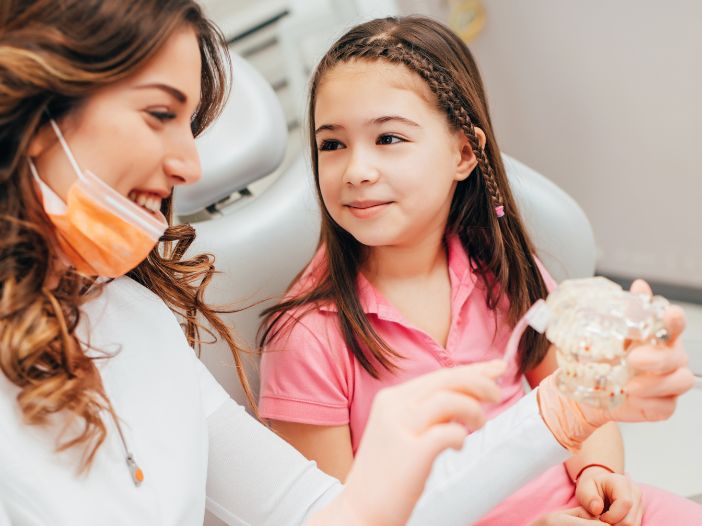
(604, 446)
(329, 446)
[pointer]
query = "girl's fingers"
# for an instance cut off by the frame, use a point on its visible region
(475, 380)
(620, 494)
(657, 360)
(634, 517)
(659, 386)
(446, 406)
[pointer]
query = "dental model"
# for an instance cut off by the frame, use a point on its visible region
(593, 322)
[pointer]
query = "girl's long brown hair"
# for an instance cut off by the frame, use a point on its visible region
(500, 248)
(54, 54)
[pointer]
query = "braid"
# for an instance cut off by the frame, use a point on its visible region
(441, 86)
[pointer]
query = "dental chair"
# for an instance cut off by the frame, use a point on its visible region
(260, 242)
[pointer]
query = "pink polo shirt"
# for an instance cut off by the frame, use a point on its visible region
(308, 374)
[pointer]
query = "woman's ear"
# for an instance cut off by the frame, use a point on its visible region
(467, 161)
(43, 139)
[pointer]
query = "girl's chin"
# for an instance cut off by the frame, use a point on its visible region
(375, 239)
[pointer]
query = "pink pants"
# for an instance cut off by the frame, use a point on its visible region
(554, 490)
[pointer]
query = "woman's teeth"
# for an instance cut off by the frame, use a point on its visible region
(146, 200)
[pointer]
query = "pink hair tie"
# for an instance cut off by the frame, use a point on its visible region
(500, 210)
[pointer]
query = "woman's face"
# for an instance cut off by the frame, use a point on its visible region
(134, 134)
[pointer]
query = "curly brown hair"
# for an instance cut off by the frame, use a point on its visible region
(52, 56)
(499, 247)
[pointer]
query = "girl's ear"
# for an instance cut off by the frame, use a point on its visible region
(467, 161)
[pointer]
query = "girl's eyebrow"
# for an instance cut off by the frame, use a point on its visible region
(388, 118)
(377, 120)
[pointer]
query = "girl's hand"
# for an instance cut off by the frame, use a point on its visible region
(572, 517)
(597, 486)
(409, 425)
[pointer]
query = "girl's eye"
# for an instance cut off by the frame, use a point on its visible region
(389, 139)
(162, 116)
(330, 145)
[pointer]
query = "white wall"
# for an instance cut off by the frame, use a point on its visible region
(605, 98)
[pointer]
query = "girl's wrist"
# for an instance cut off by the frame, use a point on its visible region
(591, 469)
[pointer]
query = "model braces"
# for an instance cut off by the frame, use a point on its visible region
(593, 322)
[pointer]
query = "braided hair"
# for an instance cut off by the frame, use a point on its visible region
(483, 212)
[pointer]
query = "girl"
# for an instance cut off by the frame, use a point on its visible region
(424, 263)
(106, 415)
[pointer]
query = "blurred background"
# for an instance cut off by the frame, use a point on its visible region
(601, 97)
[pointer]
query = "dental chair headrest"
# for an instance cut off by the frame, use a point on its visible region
(246, 143)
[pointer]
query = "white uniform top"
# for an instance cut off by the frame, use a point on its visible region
(196, 446)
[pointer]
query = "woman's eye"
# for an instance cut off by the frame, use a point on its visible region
(330, 145)
(389, 139)
(162, 116)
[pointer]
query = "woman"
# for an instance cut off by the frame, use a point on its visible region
(106, 415)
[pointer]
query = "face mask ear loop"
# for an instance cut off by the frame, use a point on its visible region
(33, 168)
(66, 149)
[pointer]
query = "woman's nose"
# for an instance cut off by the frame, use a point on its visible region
(183, 164)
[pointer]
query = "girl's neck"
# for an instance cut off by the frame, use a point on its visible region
(399, 262)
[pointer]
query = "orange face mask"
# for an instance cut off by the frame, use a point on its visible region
(100, 231)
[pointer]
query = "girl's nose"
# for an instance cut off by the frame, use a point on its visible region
(360, 171)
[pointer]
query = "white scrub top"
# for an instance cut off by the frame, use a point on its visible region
(163, 395)
(196, 446)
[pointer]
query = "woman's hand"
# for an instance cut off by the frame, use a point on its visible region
(597, 488)
(660, 374)
(409, 425)
(571, 517)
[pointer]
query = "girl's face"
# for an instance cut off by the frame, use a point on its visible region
(134, 134)
(388, 161)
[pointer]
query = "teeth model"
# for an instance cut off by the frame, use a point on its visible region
(593, 323)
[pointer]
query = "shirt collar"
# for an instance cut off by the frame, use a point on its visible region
(461, 274)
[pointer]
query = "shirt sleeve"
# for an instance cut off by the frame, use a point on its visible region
(212, 393)
(305, 373)
(495, 461)
(255, 477)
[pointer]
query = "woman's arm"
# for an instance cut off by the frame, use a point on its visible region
(329, 446)
(604, 446)
(254, 477)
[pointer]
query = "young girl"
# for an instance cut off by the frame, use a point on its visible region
(424, 263)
